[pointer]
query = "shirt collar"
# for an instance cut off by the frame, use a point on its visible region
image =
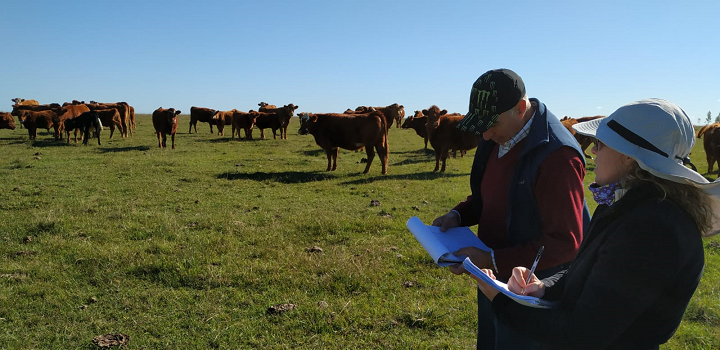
(509, 144)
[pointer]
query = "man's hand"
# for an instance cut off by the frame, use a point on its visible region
(449, 220)
(478, 257)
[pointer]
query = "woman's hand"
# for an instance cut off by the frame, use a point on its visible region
(535, 288)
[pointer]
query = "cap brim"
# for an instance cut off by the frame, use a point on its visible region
(588, 128)
(469, 124)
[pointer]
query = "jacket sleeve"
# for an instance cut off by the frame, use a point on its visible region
(625, 277)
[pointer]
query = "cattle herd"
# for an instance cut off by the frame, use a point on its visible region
(361, 128)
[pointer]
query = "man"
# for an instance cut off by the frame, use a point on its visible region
(526, 192)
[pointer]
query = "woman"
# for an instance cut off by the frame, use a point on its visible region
(642, 256)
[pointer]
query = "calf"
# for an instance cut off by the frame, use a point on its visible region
(87, 122)
(7, 121)
(349, 131)
(417, 122)
(68, 112)
(201, 114)
(711, 144)
(165, 122)
(444, 135)
(244, 121)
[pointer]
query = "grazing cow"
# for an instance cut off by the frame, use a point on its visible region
(711, 144)
(417, 122)
(23, 102)
(222, 118)
(393, 113)
(7, 121)
(201, 114)
(349, 131)
(165, 122)
(87, 122)
(444, 135)
(33, 120)
(244, 121)
(583, 141)
(284, 114)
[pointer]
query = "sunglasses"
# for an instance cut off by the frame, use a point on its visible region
(598, 144)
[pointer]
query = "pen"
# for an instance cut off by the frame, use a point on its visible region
(532, 269)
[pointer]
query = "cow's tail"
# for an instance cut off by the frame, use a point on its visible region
(98, 124)
(703, 130)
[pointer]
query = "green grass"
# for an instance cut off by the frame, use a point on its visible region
(188, 248)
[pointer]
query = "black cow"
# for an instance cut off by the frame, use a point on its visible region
(86, 123)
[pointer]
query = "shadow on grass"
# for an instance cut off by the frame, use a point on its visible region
(124, 149)
(417, 176)
(288, 177)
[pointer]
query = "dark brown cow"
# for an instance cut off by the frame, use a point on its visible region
(110, 117)
(417, 122)
(38, 119)
(583, 141)
(244, 121)
(131, 116)
(393, 113)
(349, 131)
(444, 135)
(711, 144)
(68, 112)
(165, 122)
(223, 118)
(18, 109)
(124, 110)
(268, 121)
(7, 121)
(88, 122)
(201, 114)
(284, 114)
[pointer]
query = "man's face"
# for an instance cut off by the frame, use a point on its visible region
(508, 124)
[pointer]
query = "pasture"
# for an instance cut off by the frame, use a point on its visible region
(192, 248)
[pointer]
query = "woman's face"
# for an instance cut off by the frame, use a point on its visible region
(610, 165)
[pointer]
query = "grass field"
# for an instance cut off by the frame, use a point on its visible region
(189, 248)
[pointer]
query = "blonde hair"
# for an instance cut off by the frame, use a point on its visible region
(689, 198)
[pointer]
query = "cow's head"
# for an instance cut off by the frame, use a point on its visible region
(433, 113)
(7, 121)
(263, 104)
(397, 112)
(291, 107)
(306, 119)
(171, 114)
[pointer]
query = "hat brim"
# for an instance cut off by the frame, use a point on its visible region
(469, 124)
(588, 128)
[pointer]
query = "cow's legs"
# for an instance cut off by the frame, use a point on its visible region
(383, 151)
(336, 150)
(172, 136)
(370, 152)
(444, 155)
(158, 136)
(328, 153)
(437, 159)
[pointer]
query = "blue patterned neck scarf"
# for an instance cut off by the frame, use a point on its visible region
(604, 194)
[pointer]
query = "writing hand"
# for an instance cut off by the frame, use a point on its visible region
(516, 283)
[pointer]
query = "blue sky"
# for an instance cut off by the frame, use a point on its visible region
(580, 58)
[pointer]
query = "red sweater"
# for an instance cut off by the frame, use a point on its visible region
(559, 193)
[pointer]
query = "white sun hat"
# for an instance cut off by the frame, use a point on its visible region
(659, 136)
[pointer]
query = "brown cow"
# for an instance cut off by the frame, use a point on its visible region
(266, 120)
(244, 121)
(18, 109)
(349, 131)
(37, 119)
(165, 122)
(583, 141)
(393, 113)
(223, 118)
(67, 112)
(124, 110)
(444, 135)
(109, 117)
(711, 144)
(264, 106)
(23, 102)
(284, 114)
(7, 121)
(201, 114)
(417, 122)
(88, 122)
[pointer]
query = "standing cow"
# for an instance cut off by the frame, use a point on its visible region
(417, 122)
(444, 135)
(165, 122)
(201, 114)
(87, 122)
(349, 131)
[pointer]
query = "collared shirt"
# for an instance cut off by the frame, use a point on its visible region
(505, 147)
